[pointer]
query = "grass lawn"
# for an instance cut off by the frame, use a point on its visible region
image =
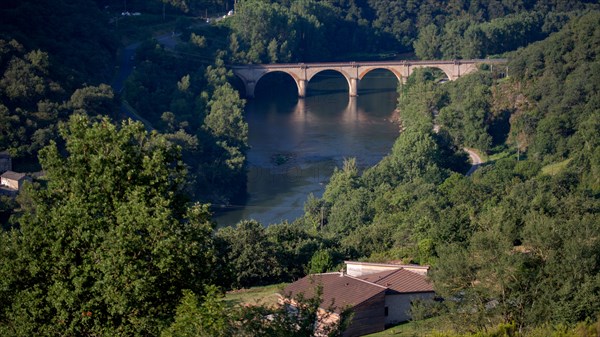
(257, 295)
(555, 168)
(498, 156)
(413, 329)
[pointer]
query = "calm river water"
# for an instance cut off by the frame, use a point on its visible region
(296, 143)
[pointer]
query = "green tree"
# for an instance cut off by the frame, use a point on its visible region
(293, 248)
(272, 50)
(259, 27)
(320, 262)
(94, 100)
(198, 40)
(24, 80)
(342, 181)
(427, 45)
(108, 244)
(248, 255)
(225, 121)
(206, 318)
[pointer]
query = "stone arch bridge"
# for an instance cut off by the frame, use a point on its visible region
(353, 72)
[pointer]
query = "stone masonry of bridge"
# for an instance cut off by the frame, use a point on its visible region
(353, 72)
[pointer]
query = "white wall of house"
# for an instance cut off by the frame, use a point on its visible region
(399, 306)
(358, 269)
(10, 183)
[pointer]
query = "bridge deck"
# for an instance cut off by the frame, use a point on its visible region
(370, 63)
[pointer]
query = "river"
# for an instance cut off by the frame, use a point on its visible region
(296, 143)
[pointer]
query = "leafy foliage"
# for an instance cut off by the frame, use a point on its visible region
(206, 318)
(108, 244)
(509, 244)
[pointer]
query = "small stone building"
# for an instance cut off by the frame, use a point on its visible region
(378, 296)
(12, 181)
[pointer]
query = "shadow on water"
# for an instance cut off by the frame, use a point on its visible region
(327, 82)
(276, 84)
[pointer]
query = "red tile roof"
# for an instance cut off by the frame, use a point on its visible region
(339, 291)
(400, 281)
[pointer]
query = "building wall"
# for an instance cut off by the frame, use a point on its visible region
(12, 184)
(418, 270)
(368, 317)
(399, 306)
(358, 270)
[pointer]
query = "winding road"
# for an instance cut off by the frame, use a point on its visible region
(126, 66)
(475, 161)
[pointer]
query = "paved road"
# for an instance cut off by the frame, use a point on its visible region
(475, 161)
(126, 63)
(126, 66)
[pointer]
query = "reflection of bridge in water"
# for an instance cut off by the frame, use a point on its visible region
(353, 72)
(351, 111)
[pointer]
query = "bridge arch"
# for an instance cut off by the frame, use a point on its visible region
(251, 79)
(393, 70)
(291, 75)
(447, 70)
(310, 74)
(378, 79)
(271, 71)
(347, 77)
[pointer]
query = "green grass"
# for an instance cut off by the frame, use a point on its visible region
(555, 168)
(497, 156)
(413, 329)
(267, 295)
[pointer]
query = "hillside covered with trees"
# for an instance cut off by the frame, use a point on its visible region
(111, 241)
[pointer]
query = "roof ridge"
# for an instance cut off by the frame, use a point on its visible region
(369, 282)
(391, 273)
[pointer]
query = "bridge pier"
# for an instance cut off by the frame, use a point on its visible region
(353, 87)
(250, 86)
(301, 88)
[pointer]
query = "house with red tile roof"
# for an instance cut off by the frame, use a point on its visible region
(376, 299)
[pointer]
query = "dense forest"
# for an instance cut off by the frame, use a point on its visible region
(115, 237)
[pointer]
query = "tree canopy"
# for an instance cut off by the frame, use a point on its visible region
(108, 244)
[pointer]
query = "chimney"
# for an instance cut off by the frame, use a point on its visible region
(342, 272)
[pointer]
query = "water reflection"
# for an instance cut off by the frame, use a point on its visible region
(296, 143)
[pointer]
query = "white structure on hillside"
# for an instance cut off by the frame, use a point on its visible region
(11, 182)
